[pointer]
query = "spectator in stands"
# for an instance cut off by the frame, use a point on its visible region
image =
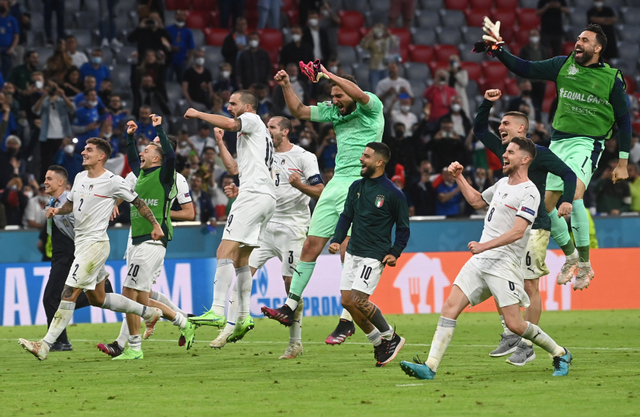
(407, 8)
(9, 37)
(540, 135)
(551, 31)
(459, 80)
(438, 97)
(317, 37)
(150, 35)
(145, 126)
(89, 83)
(403, 151)
(448, 196)
(24, 21)
(383, 47)
(30, 96)
(446, 146)
(150, 95)
(12, 161)
(51, 7)
(535, 51)
(59, 63)
(235, 42)
(106, 89)
(609, 153)
(201, 201)
(254, 63)
(153, 66)
(108, 30)
(20, 76)
(328, 149)
(524, 98)
(78, 58)
(182, 46)
(34, 215)
(95, 68)
(197, 85)
(9, 91)
(55, 111)
(306, 7)
(296, 50)
(423, 193)
(226, 81)
(399, 182)
(266, 108)
(14, 201)
(612, 198)
(269, 12)
(218, 106)
(69, 159)
(233, 9)
(389, 87)
(118, 113)
(606, 18)
(634, 186)
(209, 170)
(461, 123)
(403, 115)
(5, 113)
(72, 85)
(203, 139)
(86, 123)
(634, 153)
(298, 88)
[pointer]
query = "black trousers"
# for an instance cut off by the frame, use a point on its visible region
(60, 266)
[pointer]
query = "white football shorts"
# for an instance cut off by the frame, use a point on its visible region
(144, 264)
(282, 241)
(249, 216)
(88, 266)
(360, 274)
(533, 264)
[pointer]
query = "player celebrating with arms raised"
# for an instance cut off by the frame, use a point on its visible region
(358, 119)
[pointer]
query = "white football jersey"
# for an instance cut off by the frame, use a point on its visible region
(505, 203)
(292, 205)
(255, 156)
(93, 201)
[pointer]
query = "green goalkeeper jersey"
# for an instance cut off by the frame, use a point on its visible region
(353, 131)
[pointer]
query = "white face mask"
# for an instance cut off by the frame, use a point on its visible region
(199, 61)
(254, 43)
(598, 4)
(325, 12)
(313, 22)
(69, 149)
(455, 108)
(180, 24)
(534, 39)
(39, 84)
(333, 69)
(28, 193)
(226, 74)
(108, 135)
(405, 108)
(296, 37)
(377, 32)
(304, 142)
(92, 103)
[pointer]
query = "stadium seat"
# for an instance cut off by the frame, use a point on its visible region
(527, 19)
(507, 19)
(274, 54)
(351, 19)
(86, 20)
(121, 77)
(443, 52)
(198, 37)
(511, 87)
(629, 33)
(107, 56)
(215, 18)
(207, 5)
(449, 35)
(456, 4)
(494, 70)
(83, 37)
(177, 4)
(453, 18)
(528, 4)
(380, 5)
(475, 17)
(287, 5)
(507, 4)
(434, 66)
(631, 84)
(213, 56)
(584, 3)
(124, 54)
(567, 47)
(550, 90)
(485, 84)
(424, 37)
(358, 5)
(481, 4)
(215, 36)
(252, 17)
(174, 92)
(336, 4)
(546, 104)
(522, 37)
(628, 51)
(293, 17)
(373, 17)
(473, 69)
(361, 72)
(420, 53)
(636, 127)
(416, 71)
(270, 38)
(198, 19)
(471, 34)
(347, 55)
(404, 36)
(432, 4)
(348, 37)
(418, 87)
(466, 54)
(427, 19)
(578, 15)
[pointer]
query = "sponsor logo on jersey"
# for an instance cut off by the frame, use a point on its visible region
(504, 195)
(379, 201)
(90, 187)
(528, 210)
(573, 70)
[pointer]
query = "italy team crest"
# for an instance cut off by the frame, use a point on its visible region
(379, 201)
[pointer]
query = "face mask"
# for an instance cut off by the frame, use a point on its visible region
(441, 81)
(39, 84)
(304, 142)
(180, 24)
(183, 144)
(377, 33)
(455, 108)
(405, 109)
(108, 135)
(313, 22)
(598, 4)
(96, 59)
(534, 39)
(526, 92)
(92, 103)
(141, 148)
(199, 61)
(28, 193)
(69, 149)
(333, 69)
(296, 37)
(254, 43)
(226, 74)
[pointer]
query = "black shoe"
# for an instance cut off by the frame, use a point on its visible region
(111, 349)
(283, 314)
(388, 350)
(61, 347)
(345, 329)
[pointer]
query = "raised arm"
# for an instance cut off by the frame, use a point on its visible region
(481, 123)
(225, 123)
(312, 190)
(296, 107)
(132, 152)
(350, 89)
(470, 194)
(225, 155)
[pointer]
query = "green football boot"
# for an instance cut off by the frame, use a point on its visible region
(189, 334)
(241, 329)
(129, 354)
(209, 318)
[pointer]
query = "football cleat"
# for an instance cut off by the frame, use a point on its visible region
(38, 349)
(508, 344)
(417, 369)
(284, 314)
(567, 271)
(221, 340)
(561, 364)
(241, 329)
(209, 318)
(389, 349)
(111, 349)
(129, 354)
(345, 329)
(150, 322)
(293, 350)
(61, 347)
(583, 278)
(522, 355)
(188, 335)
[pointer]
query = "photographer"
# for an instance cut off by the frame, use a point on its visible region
(445, 147)
(151, 35)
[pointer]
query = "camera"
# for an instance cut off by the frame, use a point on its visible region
(150, 23)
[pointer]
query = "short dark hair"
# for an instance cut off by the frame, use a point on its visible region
(248, 97)
(206, 148)
(60, 171)
(601, 38)
(284, 123)
(526, 145)
(348, 78)
(521, 115)
(381, 149)
(101, 144)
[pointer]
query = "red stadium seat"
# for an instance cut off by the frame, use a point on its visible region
(473, 69)
(567, 47)
(434, 66)
(631, 84)
(506, 17)
(204, 4)
(456, 4)
(494, 70)
(443, 52)
(481, 4)
(506, 4)
(550, 90)
(199, 19)
(293, 17)
(215, 36)
(522, 37)
(546, 104)
(252, 17)
(351, 19)
(274, 54)
(348, 37)
(485, 84)
(403, 35)
(475, 17)
(527, 19)
(511, 87)
(514, 48)
(636, 127)
(287, 5)
(178, 4)
(251, 5)
(270, 38)
(420, 53)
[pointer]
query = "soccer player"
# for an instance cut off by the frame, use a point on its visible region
(358, 119)
(591, 98)
(495, 267)
(91, 200)
(155, 169)
(516, 124)
(250, 212)
(374, 205)
(297, 179)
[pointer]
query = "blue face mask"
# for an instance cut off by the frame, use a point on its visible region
(96, 60)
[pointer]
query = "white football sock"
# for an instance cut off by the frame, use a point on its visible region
(293, 304)
(244, 281)
(121, 304)
(540, 338)
(179, 321)
(375, 337)
(295, 331)
(123, 337)
(440, 342)
(232, 314)
(60, 321)
(135, 342)
(221, 284)
(346, 315)
(160, 297)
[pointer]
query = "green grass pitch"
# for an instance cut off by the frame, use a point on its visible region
(248, 379)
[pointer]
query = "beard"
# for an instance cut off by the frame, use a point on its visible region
(586, 57)
(367, 171)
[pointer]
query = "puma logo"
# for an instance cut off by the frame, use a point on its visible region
(531, 269)
(538, 334)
